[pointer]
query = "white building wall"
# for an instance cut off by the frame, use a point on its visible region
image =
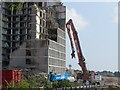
(38, 23)
(57, 53)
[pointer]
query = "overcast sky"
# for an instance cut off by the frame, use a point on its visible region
(96, 23)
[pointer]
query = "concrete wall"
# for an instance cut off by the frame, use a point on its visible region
(38, 57)
(39, 52)
(18, 57)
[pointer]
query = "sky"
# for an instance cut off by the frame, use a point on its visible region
(97, 27)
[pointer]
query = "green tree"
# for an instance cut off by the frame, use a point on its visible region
(117, 74)
(15, 5)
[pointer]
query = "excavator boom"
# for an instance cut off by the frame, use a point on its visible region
(81, 59)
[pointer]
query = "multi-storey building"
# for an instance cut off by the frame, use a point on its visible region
(0, 47)
(0, 37)
(34, 37)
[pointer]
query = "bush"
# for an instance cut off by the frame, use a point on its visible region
(47, 84)
(64, 83)
(55, 84)
(22, 84)
(33, 82)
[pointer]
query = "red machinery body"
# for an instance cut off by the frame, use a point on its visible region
(81, 59)
(13, 76)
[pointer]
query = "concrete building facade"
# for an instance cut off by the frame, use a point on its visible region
(34, 37)
(0, 37)
(0, 47)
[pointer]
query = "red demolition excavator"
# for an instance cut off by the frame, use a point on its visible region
(81, 59)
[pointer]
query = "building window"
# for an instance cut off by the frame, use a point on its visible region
(29, 37)
(5, 44)
(30, 3)
(40, 13)
(29, 18)
(40, 4)
(44, 15)
(17, 18)
(28, 53)
(29, 11)
(28, 61)
(40, 21)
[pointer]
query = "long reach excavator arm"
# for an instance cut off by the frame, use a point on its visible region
(81, 59)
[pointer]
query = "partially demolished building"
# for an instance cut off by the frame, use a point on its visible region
(34, 37)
